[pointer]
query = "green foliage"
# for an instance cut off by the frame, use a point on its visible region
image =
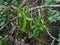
(34, 26)
(38, 28)
(57, 0)
(0, 40)
(23, 18)
(54, 15)
(3, 13)
(49, 2)
(3, 18)
(59, 36)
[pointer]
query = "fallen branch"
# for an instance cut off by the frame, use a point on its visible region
(43, 7)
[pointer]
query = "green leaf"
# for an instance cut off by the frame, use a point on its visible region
(2, 23)
(25, 9)
(38, 19)
(31, 36)
(0, 37)
(24, 23)
(27, 18)
(48, 2)
(58, 18)
(57, 0)
(19, 15)
(2, 6)
(0, 42)
(45, 27)
(58, 43)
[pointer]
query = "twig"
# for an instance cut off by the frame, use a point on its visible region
(39, 12)
(7, 23)
(14, 18)
(12, 29)
(45, 42)
(43, 7)
(11, 6)
(3, 26)
(24, 1)
(35, 2)
(51, 37)
(53, 42)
